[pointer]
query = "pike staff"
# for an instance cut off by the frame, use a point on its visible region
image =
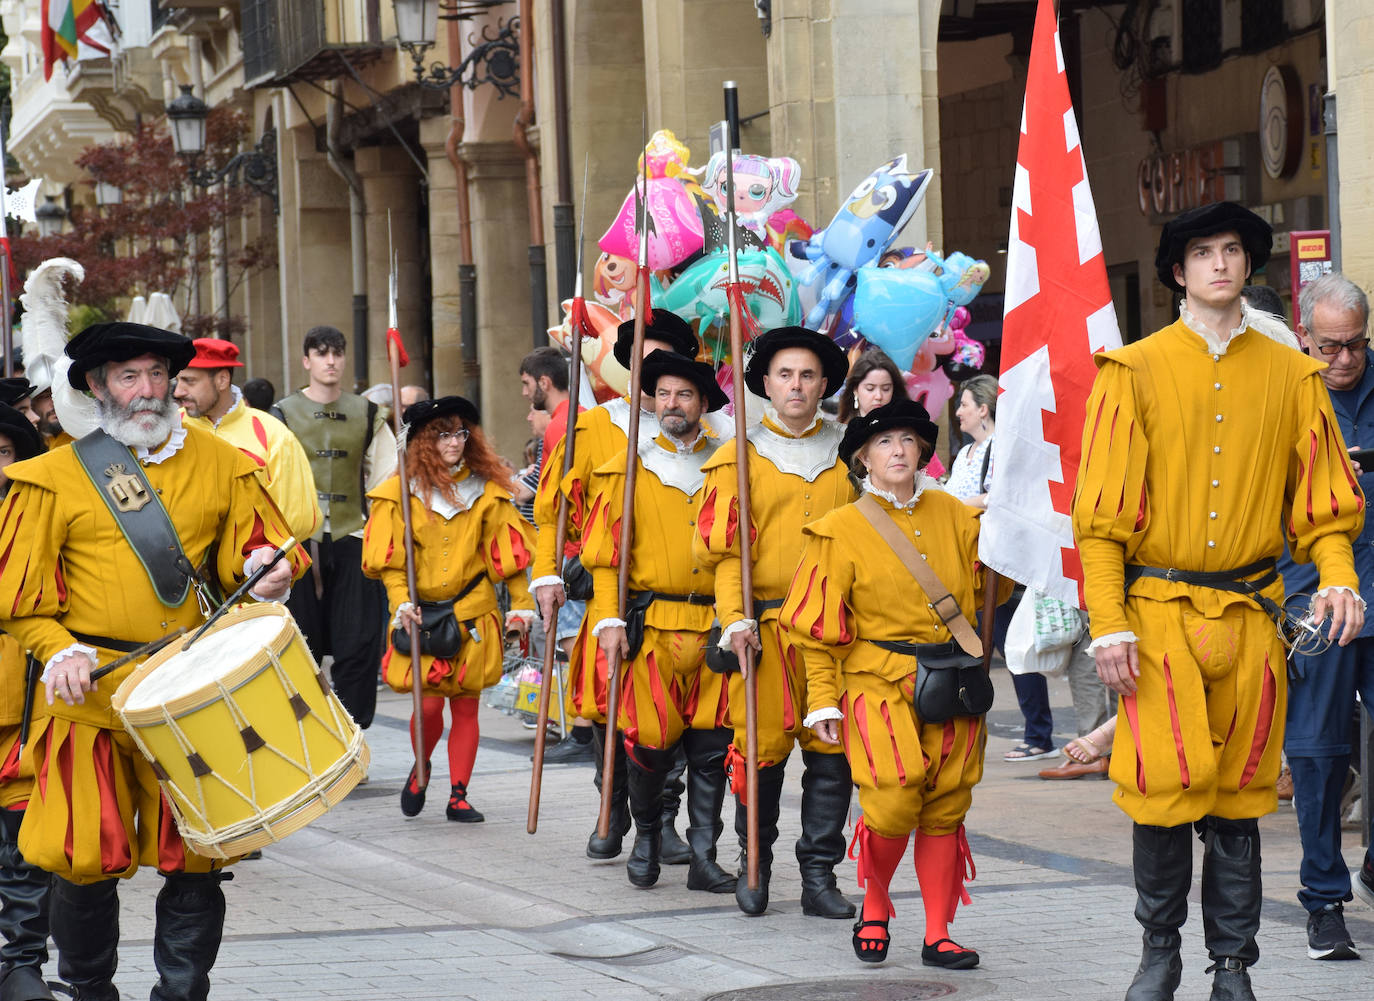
(578, 318)
(397, 357)
(642, 306)
(739, 318)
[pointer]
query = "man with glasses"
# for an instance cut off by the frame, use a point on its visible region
(1322, 712)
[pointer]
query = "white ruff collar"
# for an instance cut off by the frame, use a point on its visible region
(238, 402)
(922, 480)
(169, 448)
(1261, 322)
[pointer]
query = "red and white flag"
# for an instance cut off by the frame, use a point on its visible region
(1058, 313)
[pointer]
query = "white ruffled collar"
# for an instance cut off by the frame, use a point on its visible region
(774, 422)
(921, 481)
(166, 450)
(238, 402)
(1261, 322)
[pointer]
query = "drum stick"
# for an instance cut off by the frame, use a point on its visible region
(243, 590)
(146, 650)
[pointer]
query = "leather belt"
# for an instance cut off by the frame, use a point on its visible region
(332, 497)
(108, 642)
(332, 453)
(1231, 581)
(649, 597)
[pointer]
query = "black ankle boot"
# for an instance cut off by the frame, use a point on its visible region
(1231, 899)
(826, 787)
(610, 846)
(1163, 863)
(85, 928)
(705, 795)
(648, 770)
(755, 902)
(190, 923)
(674, 850)
(23, 918)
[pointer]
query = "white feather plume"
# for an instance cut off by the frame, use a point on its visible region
(45, 341)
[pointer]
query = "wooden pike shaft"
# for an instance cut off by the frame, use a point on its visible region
(418, 720)
(551, 627)
(627, 518)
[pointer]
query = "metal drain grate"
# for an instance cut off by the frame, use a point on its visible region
(645, 957)
(859, 989)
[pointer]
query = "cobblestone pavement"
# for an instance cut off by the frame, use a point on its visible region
(366, 904)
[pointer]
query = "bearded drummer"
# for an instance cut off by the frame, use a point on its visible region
(95, 542)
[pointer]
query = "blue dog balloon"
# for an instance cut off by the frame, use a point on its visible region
(862, 229)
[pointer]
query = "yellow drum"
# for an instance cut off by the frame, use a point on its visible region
(247, 739)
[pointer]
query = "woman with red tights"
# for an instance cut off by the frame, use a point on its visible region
(856, 613)
(468, 537)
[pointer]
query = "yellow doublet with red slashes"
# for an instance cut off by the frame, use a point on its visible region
(16, 773)
(488, 540)
(1203, 460)
(851, 589)
(782, 500)
(666, 687)
(65, 568)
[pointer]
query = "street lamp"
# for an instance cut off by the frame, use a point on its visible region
(256, 167)
(494, 59)
(107, 194)
(50, 217)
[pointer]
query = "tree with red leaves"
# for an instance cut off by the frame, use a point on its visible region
(158, 239)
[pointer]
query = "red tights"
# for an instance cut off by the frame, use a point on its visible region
(462, 735)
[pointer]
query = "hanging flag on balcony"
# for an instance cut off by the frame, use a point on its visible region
(74, 29)
(1058, 314)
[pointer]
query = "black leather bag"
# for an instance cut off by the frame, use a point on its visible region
(949, 683)
(441, 634)
(577, 580)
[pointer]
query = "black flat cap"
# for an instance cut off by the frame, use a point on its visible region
(417, 415)
(14, 389)
(660, 325)
(20, 430)
(897, 414)
(834, 364)
(659, 363)
(120, 341)
(1256, 236)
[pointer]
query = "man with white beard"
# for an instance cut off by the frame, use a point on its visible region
(93, 539)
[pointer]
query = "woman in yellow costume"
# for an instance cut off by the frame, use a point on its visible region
(468, 537)
(857, 614)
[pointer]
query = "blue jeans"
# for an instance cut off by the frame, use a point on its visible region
(1032, 690)
(1321, 729)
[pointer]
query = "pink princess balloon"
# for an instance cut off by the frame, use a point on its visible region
(675, 230)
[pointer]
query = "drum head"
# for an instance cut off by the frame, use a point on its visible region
(214, 655)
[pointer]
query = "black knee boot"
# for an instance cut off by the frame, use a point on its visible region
(85, 929)
(609, 846)
(1231, 898)
(23, 918)
(648, 770)
(755, 902)
(674, 850)
(826, 787)
(1163, 863)
(705, 794)
(190, 923)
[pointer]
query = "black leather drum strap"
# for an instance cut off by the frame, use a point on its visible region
(118, 478)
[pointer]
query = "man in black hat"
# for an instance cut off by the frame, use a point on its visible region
(659, 647)
(1199, 441)
(600, 434)
(99, 525)
(795, 477)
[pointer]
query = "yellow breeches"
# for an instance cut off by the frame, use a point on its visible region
(1203, 732)
(96, 810)
(16, 772)
(781, 700)
(911, 775)
(477, 665)
(587, 677)
(667, 689)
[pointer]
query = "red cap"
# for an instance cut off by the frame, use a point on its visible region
(214, 353)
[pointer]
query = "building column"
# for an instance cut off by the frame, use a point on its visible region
(445, 255)
(500, 246)
(391, 187)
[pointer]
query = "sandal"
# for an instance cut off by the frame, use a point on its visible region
(871, 950)
(1082, 750)
(957, 958)
(1028, 752)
